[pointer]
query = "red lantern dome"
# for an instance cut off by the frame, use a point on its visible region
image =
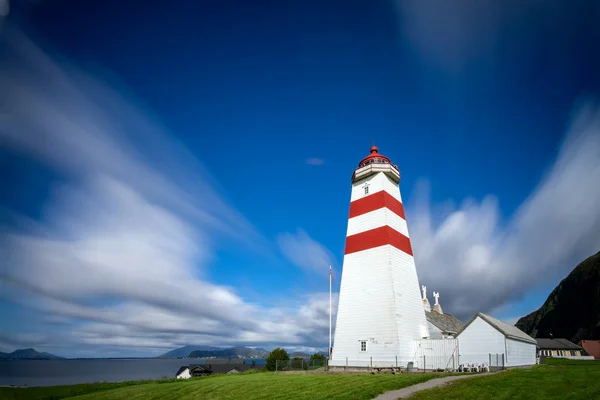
(374, 157)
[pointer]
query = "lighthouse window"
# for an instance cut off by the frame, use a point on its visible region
(366, 190)
(363, 345)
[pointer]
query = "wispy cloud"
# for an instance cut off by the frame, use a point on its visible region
(120, 251)
(315, 161)
(305, 252)
(478, 263)
(450, 35)
(4, 9)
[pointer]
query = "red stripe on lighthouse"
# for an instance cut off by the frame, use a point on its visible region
(378, 237)
(374, 202)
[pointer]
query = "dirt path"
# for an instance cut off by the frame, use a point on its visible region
(407, 391)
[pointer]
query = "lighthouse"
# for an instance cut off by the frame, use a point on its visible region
(380, 312)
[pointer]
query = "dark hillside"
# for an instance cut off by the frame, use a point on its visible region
(572, 310)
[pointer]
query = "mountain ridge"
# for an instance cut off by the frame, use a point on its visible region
(184, 351)
(572, 310)
(29, 354)
(239, 352)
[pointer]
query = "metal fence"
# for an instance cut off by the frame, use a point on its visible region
(496, 361)
(300, 364)
(423, 362)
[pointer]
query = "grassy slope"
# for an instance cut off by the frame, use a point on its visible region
(62, 392)
(560, 379)
(243, 386)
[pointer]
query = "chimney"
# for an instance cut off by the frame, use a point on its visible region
(426, 304)
(436, 307)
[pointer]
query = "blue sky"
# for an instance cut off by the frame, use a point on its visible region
(180, 173)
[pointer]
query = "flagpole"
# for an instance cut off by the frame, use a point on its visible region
(330, 277)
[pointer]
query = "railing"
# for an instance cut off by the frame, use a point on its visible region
(300, 365)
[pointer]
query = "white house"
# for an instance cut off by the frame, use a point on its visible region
(183, 373)
(214, 367)
(488, 340)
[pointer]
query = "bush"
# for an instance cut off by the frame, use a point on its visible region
(277, 354)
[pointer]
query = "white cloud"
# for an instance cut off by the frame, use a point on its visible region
(4, 9)
(451, 34)
(478, 264)
(315, 161)
(118, 255)
(305, 252)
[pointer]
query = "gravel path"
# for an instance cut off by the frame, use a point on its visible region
(407, 391)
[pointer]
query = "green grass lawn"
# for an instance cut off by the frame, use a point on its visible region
(63, 392)
(558, 379)
(243, 386)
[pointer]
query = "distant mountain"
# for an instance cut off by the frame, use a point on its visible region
(572, 310)
(299, 354)
(28, 354)
(234, 352)
(186, 350)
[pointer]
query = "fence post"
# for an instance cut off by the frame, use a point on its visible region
(502, 360)
(497, 363)
(396, 361)
(276, 361)
(346, 363)
(371, 362)
(490, 364)
(423, 363)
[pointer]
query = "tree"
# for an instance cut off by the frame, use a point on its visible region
(316, 361)
(277, 354)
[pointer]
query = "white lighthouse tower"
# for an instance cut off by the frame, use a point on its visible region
(380, 312)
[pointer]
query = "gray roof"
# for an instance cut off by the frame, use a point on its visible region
(445, 322)
(225, 368)
(556, 344)
(508, 330)
(219, 368)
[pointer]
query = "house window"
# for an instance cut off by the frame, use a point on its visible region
(363, 345)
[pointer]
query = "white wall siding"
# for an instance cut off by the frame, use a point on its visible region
(434, 331)
(520, 353)
(366, 309)
(380, 298)
(478, 341)
(376, 219)
(576, 357)
(432, 354)
(185, 374)
(376, 183)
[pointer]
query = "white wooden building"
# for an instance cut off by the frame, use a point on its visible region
(484, 339)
